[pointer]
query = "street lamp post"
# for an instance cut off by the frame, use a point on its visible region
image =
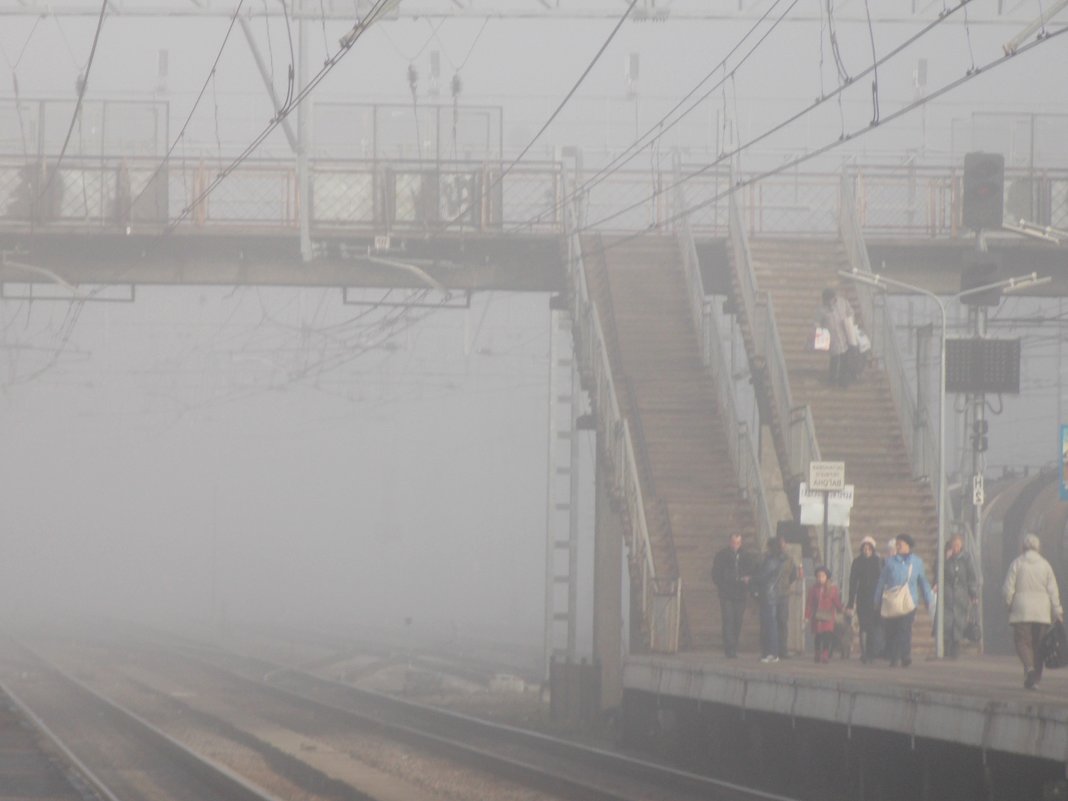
(882, 282)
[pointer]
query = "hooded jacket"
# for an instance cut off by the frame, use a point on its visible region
(1030, 590)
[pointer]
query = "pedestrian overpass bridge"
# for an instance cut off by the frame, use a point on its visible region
(633, 259)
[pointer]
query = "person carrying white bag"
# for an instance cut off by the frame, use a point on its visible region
(898, 594)
(837, 334)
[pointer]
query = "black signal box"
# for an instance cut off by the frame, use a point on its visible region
(978, 365)
(983, 203)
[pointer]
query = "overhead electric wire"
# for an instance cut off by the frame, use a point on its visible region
(662, 126)
(791, 163)
(83, 84)
(776, 128)
(556, 112)
(349, 40)
(792, 118)
(208, 80)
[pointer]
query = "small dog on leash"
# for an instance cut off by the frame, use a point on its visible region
(842, 642)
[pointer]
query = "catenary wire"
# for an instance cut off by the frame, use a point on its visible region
(726, 155)
(82, 86)
(662, 126)
(208, 80)
(275, 121)
(784, 123)
(556, 112)
(791, 163)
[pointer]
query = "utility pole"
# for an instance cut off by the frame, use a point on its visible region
(303, 112)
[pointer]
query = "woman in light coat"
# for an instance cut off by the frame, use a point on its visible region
(1034, 601)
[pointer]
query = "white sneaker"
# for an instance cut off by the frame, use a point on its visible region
(769, 659)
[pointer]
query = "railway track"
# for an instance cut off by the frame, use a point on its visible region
(325, 717)
(108, 752)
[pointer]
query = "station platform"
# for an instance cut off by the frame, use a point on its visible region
(974, 701)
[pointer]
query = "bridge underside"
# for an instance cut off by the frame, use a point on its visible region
(484, 262)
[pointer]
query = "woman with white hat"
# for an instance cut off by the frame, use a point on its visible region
(863, 576)
(1034, 601)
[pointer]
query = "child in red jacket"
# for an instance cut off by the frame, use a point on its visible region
(823, 606)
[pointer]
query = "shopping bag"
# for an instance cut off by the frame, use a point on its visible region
(863, 340)
(1054, 646)
(822, 339)
(972, 631)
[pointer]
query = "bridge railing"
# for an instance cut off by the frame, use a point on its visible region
(407, 195)
(707, 319)
(659, 596)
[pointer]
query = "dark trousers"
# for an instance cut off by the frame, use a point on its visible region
(872, 642)
(731, 610)
(899, 638)
(770, 642)
(1028, 637)
(782, 621)
(822, 642)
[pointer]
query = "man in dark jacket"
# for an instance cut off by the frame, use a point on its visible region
(731, 570)
(773, 579)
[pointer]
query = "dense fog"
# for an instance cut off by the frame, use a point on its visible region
(218, 455)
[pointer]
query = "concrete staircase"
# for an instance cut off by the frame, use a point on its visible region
(670, 403)
(858, 425)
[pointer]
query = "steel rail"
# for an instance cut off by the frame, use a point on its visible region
(441, 730)
(228, 785)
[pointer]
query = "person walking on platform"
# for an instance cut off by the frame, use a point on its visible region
(863, 576)
(904, 569)
(773, 579)
(732, 569)
(1034, 601)
(962, 593)
(823, 606)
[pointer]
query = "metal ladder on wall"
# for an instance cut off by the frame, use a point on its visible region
(561, 535)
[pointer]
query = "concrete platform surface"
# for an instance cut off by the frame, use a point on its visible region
(975, 701)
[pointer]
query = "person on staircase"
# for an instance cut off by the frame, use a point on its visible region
(1034, 602)
(732, 569)
(836, 315)
(905, 568)
(822, 609)
(777, 572)
(961, 603)
(863, 576)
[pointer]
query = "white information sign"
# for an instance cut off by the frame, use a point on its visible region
(838, 505)
(826, 476)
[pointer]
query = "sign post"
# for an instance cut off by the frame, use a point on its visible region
(826, 477)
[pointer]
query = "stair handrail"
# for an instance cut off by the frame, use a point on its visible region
(660, 596)
(707, 318)
(798, 428)
(916, 425)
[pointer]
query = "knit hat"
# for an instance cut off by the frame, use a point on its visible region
(905, 538)
(869, 541)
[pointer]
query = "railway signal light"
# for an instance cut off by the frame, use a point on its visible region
(984, 190)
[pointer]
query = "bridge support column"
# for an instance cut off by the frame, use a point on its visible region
(608, 571)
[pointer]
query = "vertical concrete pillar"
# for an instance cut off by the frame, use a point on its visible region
(608, 589)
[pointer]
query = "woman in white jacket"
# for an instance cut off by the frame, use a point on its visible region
(1034, 602)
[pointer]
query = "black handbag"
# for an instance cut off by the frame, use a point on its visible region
(972, 631)
(1054, 646)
